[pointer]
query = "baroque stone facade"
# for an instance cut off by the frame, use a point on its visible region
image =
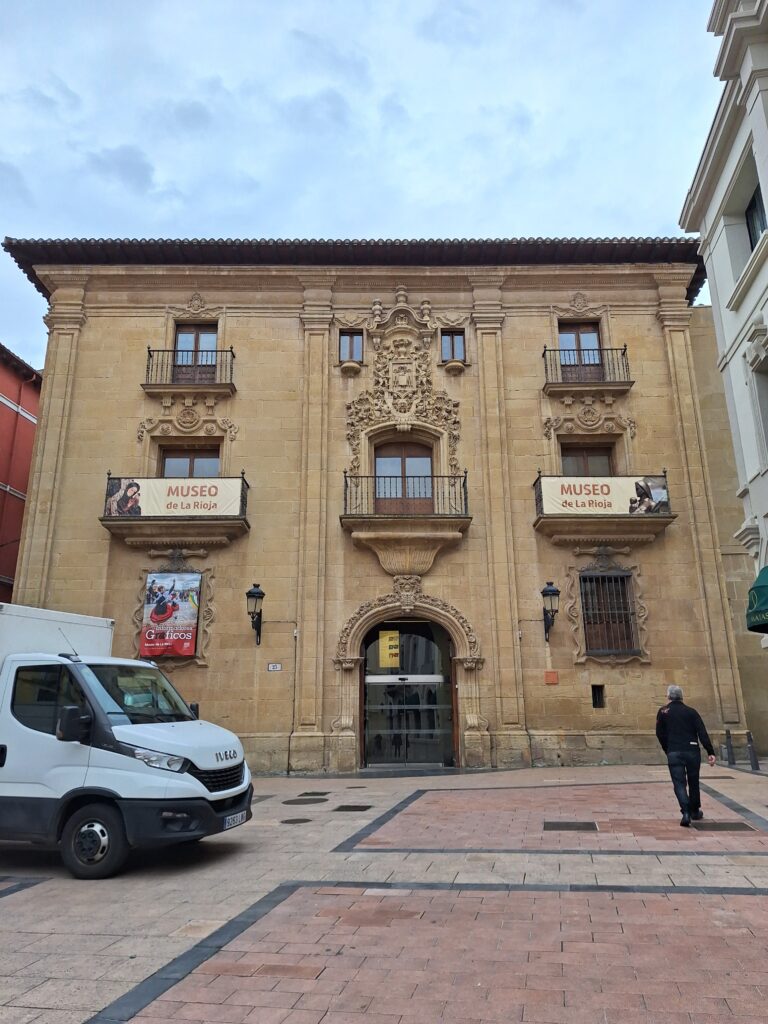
(338, 555)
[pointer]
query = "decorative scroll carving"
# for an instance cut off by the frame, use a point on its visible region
(407, 596)
(585, 415)
(604, 562)
(176, 562)
(403, 393)
(183, 414)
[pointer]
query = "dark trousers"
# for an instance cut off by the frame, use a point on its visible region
(684, 768)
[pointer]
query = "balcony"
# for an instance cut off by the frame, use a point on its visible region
(407, 521)
(206, 370)
(627, 509)
(602, 369)
(178, 511)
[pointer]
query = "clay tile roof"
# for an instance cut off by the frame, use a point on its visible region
(18, 365)
(445, 252)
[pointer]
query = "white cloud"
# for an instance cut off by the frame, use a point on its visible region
(410, 118)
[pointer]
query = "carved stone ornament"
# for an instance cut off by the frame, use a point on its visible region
(181, 414)
(196, 303)
(403, 394)
(604, 563)
(585, 415)
(177, 562)
(407, 596)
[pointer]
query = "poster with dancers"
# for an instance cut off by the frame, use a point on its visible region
(171, 609)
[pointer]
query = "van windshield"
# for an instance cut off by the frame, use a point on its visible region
(140, 692)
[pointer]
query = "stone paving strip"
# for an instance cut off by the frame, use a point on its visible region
(70, 949)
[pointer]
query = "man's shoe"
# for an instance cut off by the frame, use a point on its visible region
(685, 821)
(697, 815)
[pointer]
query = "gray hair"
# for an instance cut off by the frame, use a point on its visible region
(674, 693)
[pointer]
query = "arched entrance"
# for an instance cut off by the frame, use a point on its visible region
(407, 710)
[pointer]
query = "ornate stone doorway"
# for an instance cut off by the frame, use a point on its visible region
(408, 603)
(407, 699)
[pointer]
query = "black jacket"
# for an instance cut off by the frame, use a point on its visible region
(679, 727)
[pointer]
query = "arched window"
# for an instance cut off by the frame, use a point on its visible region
(403, 479)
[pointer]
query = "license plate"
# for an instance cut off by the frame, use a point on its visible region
(234, 819)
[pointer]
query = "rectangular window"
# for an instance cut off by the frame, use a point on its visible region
(39, 694)
(586, 460)
(608, 613)
(350, 346)
(195, 344)
(452, 347)
(192, 462)
(579, 344)
(598, 696)
(755, 214)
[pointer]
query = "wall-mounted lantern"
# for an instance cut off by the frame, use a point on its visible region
(550, 595)
(255, 598)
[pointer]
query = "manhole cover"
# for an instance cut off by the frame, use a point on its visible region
(723, 826)
(295, 821)
(318, 792)
(570, 826)
(353, 807)
(307, 800)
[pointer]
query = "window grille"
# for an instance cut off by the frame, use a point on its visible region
(608, 611)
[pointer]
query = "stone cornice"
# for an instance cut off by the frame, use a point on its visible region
(713, 157)
(740, 29)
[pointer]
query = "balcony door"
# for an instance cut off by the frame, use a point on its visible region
(403, 479)
(581, 358)
(194, 358)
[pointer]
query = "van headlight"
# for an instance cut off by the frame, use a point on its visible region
(153, 758)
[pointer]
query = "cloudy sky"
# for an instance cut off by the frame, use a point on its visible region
(344, 118)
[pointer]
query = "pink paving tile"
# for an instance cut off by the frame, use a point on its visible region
(702, 959)
(629, 818)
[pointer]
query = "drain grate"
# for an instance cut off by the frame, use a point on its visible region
(723, 826)
(296, 821)
(316, 792)
(307, 800)
(353, 807)
(570, 826)
(357, 787)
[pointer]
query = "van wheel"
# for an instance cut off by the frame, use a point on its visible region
(93, 843)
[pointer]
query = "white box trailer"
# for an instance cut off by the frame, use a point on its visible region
(24, 629)
(101, 754)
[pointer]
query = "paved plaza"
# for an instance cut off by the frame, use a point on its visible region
(548, 895)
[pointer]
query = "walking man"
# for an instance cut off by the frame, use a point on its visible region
(679, 730)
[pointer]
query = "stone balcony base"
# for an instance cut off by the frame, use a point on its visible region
(577, 529)
(406, 545)
(159, 531)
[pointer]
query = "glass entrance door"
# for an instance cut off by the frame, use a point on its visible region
(408, 721)
(407, 700)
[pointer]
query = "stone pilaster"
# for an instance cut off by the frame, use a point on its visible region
(65, 318)
(344, 741)
(707, 571)
(488, 318)
(307, 739)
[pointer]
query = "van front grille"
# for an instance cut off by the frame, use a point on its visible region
(217, 779)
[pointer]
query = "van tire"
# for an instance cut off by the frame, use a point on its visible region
(93, 843)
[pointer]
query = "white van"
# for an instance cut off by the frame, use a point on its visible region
(101, 754)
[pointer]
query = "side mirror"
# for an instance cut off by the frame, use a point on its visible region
(72, 725)
(195, 709)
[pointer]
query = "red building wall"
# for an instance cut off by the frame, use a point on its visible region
(19, 403)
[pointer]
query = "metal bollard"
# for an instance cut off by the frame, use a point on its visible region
(729, 748)
(754, 764)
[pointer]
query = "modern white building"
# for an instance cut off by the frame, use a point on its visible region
(725, 205)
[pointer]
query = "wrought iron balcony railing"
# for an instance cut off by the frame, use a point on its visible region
(168, 367)
(136, 498)
(589, 366)
(406, 495)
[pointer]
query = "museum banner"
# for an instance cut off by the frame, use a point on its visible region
(604, 495)
(171, 608)
(173, 496)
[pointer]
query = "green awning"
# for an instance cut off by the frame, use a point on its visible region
(757, 604)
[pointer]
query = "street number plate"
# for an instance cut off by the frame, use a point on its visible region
(234, 819)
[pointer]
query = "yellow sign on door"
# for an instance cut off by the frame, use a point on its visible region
(389, 648)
